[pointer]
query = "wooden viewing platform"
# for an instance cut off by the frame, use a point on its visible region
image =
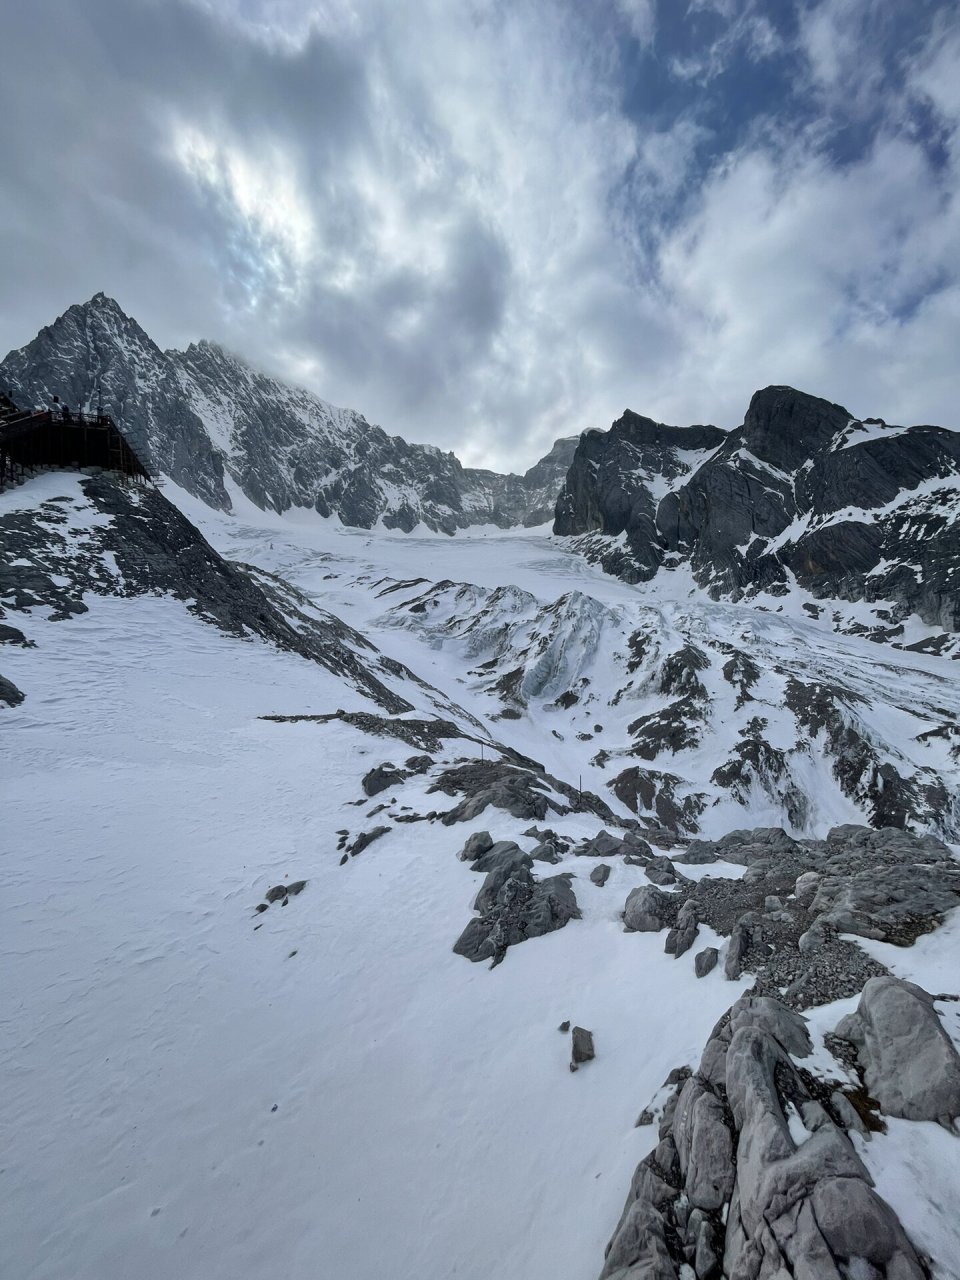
(31, 439)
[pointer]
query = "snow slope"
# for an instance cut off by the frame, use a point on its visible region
(198, 1090)
(426, 1122)
(839, 728)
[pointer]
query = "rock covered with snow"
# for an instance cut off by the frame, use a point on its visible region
(647, 691)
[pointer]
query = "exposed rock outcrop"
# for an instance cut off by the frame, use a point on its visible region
(784, 917)
(10, 695)
(754, 1176)
(522, 792)
(513, 904)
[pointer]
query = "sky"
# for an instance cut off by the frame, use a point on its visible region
(486, 224)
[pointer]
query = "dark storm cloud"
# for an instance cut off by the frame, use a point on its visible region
(90, 183)
(486, 225)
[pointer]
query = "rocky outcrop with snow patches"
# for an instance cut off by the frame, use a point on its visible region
(802, 500)
(207, 419)
(691, 715)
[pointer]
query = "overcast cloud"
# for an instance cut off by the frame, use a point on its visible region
(487, 224)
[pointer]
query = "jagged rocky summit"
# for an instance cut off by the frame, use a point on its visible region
(802, 495)
(208, 420)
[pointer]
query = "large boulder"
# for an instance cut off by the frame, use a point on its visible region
(514, 906)
(909, 1063)
(647, 910)
(476, 844)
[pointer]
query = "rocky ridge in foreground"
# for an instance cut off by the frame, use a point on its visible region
(755, 1175)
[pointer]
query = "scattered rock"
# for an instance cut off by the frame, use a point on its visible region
(515, 906)
(600, 874)
(603, 845)
(704, 961)
(419, 764)
(520, 791)
(564, 1026)
(785, 915)
(582, 1049)
(737, 949)
(10, 695)
(661, 871)
(366, 838)
(682, 937)
(382, 777)
(13, 635)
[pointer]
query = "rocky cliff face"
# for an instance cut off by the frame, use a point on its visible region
(802, 495)
(204, 417)
(96, 350)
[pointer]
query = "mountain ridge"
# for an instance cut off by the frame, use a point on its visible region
(803, 498)
(205, 417)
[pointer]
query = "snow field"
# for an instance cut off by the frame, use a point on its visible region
(426, 1122)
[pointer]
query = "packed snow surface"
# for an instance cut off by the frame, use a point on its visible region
(324, 1089)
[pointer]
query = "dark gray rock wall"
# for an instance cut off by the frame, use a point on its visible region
(612, 483)
(95, 352)
(800, 492)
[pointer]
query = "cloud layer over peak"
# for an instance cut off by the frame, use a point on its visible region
(486, 225)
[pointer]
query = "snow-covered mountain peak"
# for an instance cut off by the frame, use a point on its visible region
(208, 419)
